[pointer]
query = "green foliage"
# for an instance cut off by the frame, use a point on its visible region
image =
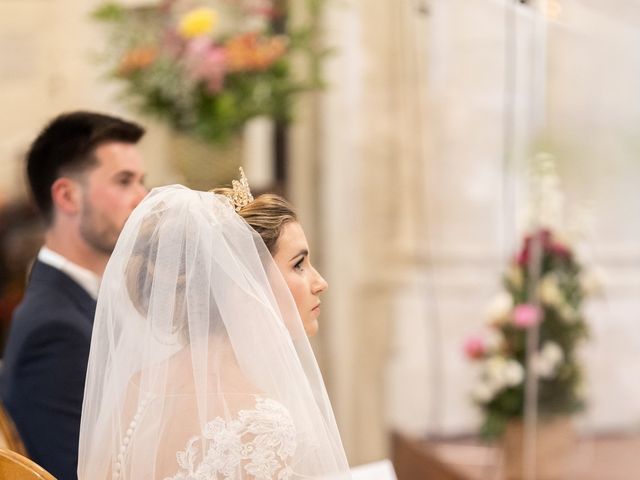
(109, 12)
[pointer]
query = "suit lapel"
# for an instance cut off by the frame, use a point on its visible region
(46, 276)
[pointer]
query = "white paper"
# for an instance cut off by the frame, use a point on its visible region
(381, 470)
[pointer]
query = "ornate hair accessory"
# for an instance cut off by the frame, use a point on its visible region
(241, 194)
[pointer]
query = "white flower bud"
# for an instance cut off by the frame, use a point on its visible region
(499, 309)
(548, 359)
(514, 276)
(513, 373)
(552, 352)
(501, 373)
(482, 393)
(549, 291)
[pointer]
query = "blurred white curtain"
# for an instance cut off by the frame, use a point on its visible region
(593, 118)
(480, 119)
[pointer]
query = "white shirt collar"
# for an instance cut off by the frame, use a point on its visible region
(85, 278)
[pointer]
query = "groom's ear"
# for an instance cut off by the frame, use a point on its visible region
(66, 196)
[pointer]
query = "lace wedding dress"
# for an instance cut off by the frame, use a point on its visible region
(258, 443)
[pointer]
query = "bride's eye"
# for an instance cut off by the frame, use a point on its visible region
(298, 265)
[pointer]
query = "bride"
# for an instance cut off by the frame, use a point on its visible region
(200, 368)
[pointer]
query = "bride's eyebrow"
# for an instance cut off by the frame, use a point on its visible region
(304, 252)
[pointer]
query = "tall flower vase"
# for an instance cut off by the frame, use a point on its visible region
(555, 439)
(203, 165)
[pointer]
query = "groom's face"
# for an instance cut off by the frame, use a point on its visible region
(110, 192)
(304, 281)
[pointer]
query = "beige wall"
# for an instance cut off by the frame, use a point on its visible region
(47, 66)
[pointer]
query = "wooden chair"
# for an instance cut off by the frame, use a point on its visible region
(16, 467)
(9, 437)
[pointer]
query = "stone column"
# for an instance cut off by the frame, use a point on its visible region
(373, 171)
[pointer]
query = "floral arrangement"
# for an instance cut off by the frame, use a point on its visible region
(501, 356)
(207, 67)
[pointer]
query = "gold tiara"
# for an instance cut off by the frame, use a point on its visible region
(241, 193)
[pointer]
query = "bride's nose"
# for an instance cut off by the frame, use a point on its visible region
(319, 283)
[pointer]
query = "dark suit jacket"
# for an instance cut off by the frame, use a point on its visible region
(44, 367)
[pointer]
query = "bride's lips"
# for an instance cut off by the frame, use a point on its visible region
(316, 308)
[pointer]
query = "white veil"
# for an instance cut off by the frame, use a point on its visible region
(199, 366)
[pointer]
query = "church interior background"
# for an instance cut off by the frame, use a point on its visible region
(411, 171)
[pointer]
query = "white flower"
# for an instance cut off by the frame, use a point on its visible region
(548, 359)
(483, 393)
(513, 373)
(499, 309)
(552, 352)
(501, 373)
(549, 291)
(543, 368)
(515, 277)
(546, 197)
(494, 372)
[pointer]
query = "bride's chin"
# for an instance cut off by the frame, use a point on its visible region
(311, 327)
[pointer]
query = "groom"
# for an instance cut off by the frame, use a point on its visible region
(86, 176)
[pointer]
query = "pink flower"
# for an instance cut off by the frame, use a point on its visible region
(206, 62)
(526, 315)
(198, 47)
(522, 258)
(474, 347)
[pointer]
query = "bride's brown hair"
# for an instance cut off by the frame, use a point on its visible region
(267, 215)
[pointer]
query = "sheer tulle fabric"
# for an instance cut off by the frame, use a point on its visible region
(199, 365)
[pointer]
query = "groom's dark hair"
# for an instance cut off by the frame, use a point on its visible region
(66, 146)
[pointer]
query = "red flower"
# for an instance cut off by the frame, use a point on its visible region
(560, 250)
(543, 236)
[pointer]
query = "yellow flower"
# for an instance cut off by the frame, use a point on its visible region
(197, 22)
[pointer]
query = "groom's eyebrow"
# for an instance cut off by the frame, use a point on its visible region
(303, 252)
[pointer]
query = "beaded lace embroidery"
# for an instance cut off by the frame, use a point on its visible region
(259, 443)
